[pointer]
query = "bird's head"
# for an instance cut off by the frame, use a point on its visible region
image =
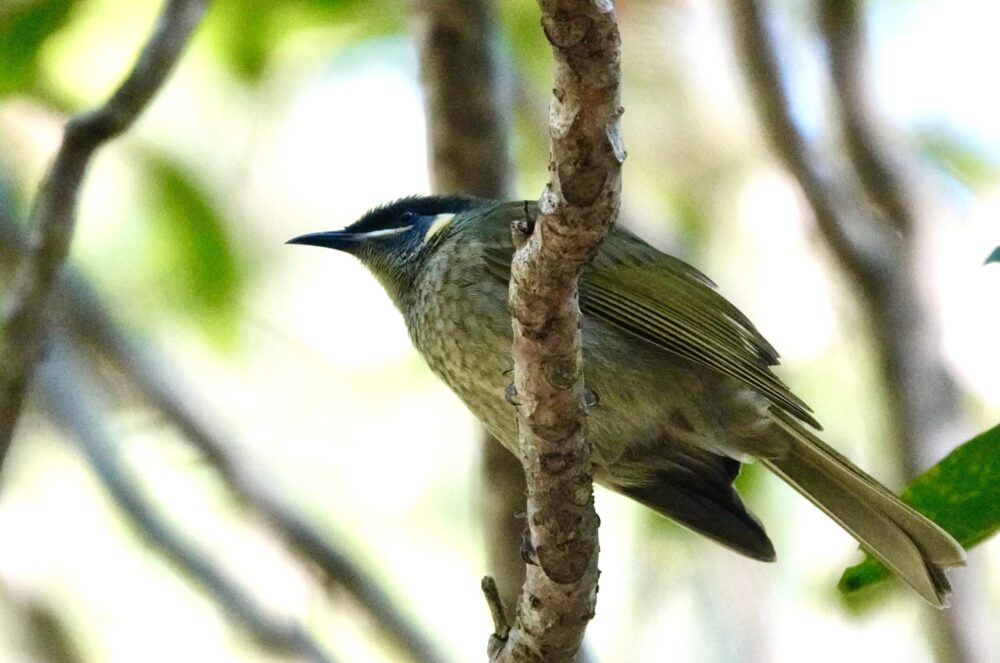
(393, 240)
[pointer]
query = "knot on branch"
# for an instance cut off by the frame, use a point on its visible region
(561, 372)
(565, 562)
(581, 186)
(566, 31)
(556, 462)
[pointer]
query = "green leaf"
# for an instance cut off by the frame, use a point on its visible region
(196, 261)
(961, 494)
(993, 257)
(24, 27)
(959, 156)
(247, 46)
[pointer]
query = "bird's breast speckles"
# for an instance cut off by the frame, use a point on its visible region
(458, 322)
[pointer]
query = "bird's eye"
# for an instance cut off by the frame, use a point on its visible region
(407, 218)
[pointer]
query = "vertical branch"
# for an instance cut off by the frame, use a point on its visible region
(53, 216)
(577, 207)
(464, 96)
(467, 127)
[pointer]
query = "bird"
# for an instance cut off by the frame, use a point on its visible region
(679, 381)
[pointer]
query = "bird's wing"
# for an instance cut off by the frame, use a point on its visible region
(670, 304)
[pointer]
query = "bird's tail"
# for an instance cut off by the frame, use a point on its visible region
(908, 543)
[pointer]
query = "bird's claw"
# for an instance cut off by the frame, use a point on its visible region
(528, 554)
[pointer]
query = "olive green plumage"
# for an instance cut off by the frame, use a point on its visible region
(682, 378)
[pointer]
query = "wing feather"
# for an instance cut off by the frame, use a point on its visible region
(668, 303)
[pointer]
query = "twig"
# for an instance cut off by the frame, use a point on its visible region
(88, 320)
(54, 214)
(502, 507)
(69, 399)
(578, 207)
(501, 627)
(467, 107)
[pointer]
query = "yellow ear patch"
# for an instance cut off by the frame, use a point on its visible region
(439, 223)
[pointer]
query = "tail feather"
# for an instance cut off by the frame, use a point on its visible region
(908, 543)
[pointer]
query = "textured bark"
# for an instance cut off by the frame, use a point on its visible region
(879, 253)
(467, 106)
(578, 207)
(503, 504)
(53, 216)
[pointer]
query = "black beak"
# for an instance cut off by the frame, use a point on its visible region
(331, 239)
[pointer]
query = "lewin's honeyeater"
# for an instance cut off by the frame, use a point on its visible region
(682, 378)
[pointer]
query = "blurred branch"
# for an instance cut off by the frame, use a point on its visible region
(53, 219)
(502, 506)
(69, 399)
(578, 207)
(859, 249)
(842, 25)
(879, 260)
(467, 127)
(879, 252)
(53, 216)
(923, 395)
(35, 626)
(50, 637)
(89, 321)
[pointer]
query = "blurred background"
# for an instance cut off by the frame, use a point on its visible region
(233, 443)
